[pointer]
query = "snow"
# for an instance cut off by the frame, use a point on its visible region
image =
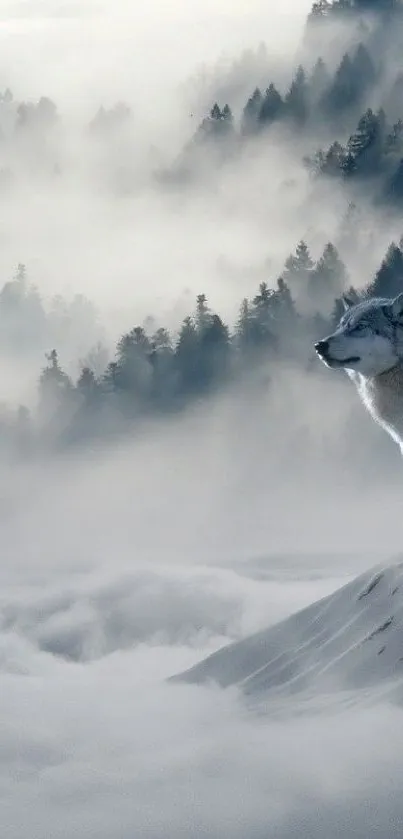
(347, 646)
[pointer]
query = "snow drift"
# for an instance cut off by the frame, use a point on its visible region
(349, 641)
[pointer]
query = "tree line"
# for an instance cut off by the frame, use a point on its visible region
(313, 95)
(369, 140)
(157, 373)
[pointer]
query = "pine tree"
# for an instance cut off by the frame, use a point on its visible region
(161, 341)
(214, 352)
(388, 281)
(219, 125)
(272, 106)
(187, 357)
(296, 100)
(55, 387)
(366, 145)
(263, 312)
(227, 115)
(363, 69)
(319, 81)
(23, 322)
(251, 112)
(328, 279)
(354, 77)
(165, 380)
(87, 385)
(342, 93)
(262, 299)
(134, 364)
(245, 328)
(110, 382)
(298, 266)
(203, 314)
(339, 161)
(284, 310)
(215, 113)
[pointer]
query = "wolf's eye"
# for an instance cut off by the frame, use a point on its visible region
(359, 327)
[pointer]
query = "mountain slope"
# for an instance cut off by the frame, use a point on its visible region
(350, 640)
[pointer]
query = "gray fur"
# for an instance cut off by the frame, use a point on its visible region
(368, 344)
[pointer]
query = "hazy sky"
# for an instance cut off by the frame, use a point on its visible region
(119, 49)
(105, 53)
(125, 566)
(161, 248)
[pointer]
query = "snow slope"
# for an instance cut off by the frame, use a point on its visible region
(349, 641)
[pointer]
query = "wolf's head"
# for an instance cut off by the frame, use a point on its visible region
(368, 339)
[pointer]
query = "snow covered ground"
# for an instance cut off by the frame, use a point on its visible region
(97, 742)
(347, 646)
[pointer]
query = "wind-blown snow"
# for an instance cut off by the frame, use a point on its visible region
(349, 641)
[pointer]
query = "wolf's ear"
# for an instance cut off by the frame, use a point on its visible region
(350, 298)
(347, 302)
(397, 307)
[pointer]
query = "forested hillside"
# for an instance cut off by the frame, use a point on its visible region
(352, 101)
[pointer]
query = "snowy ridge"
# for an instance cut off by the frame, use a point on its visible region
(350, 640)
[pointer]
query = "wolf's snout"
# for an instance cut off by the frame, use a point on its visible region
(322, 347)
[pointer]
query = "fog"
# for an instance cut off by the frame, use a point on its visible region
(84, 209)
(130, 556)
(116, 50)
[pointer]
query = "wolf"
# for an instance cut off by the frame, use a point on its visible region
(368, 345)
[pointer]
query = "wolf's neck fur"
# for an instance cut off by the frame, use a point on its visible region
(383, 396)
